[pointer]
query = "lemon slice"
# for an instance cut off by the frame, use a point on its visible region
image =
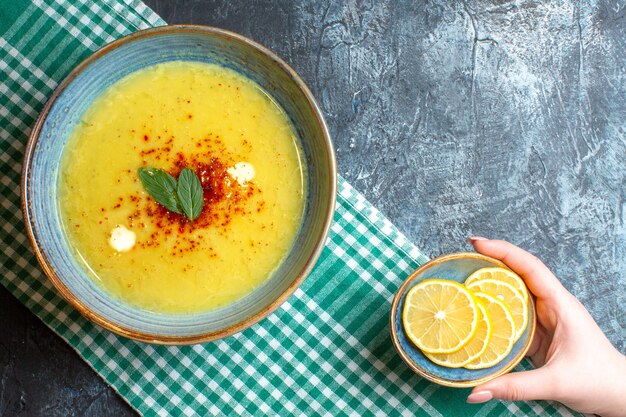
(509, 295)
(502, 333)
(500, 274)
(439, 316)
(473, 349)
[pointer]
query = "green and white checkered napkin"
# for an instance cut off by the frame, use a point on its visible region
(326, 351)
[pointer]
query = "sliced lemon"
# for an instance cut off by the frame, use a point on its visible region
(509, 295)
(502, 333)
(439, 316)
(500, 274)
(473, 349)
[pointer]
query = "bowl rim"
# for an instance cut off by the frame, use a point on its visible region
(202, 337)
(436, 378)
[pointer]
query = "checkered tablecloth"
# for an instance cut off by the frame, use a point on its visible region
(326, 351)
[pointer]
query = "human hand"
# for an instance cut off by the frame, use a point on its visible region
(576, 364)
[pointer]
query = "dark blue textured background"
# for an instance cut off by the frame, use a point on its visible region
(497, 118)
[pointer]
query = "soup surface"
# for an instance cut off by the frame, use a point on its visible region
(241, 146)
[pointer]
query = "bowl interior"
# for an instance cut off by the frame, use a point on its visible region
(456, 267)
(64, 111)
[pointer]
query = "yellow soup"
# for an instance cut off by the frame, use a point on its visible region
(243, 149)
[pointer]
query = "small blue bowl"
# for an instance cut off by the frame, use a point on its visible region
(64, 110)
(455, 267)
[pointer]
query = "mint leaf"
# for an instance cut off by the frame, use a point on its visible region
(190, 194)
(161, 186)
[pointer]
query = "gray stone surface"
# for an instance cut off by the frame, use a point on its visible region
(40, 375)
(497, 118)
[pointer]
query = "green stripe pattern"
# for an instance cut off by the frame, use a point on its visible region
(326, 351)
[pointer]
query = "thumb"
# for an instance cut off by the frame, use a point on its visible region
(528, 385)
(539, 279)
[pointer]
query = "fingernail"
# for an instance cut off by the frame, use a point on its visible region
(475, 238)
(479, 397)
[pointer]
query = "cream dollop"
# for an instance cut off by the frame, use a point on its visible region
(242, 172)
(122, 239)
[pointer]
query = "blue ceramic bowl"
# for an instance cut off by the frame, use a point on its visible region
(456, 267)
(64, 110)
